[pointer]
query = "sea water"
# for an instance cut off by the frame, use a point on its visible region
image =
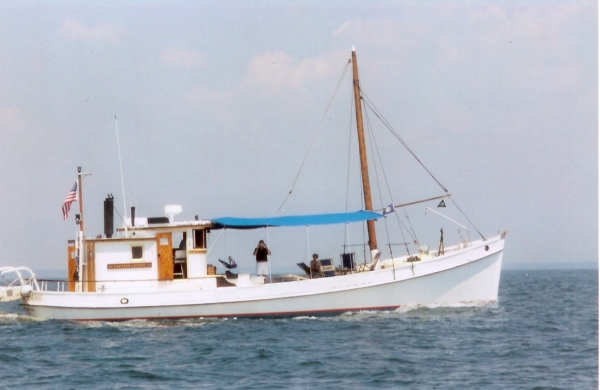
(542, 334)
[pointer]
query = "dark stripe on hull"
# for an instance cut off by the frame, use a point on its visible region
(290, 314)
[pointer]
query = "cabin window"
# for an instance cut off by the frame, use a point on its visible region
(199, 238)
(137, 252)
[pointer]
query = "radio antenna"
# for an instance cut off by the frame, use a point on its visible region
(121, 167)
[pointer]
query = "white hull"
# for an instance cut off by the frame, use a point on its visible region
(466, 276)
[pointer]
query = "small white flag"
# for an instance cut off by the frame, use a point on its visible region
(388, 210)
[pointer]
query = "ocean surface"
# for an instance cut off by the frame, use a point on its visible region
(542, 334)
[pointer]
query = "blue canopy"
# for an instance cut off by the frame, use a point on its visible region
(293, 220)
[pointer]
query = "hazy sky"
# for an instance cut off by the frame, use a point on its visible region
(218, 103)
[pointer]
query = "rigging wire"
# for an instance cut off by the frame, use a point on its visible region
(374, 143)
(314, 138)
(387, 124)
(400, 224)
(375, 151)
(364, 239)
(348, 169)
(217, 240)
(121, 168)
(370, 105)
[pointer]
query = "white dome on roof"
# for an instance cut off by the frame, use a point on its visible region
(172, 210)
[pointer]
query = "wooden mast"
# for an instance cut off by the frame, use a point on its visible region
(363, 155)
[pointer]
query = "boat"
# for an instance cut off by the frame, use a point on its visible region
(138, 272)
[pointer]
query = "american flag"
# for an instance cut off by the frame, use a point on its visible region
(71, 197)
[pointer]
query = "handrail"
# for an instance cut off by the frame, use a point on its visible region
(62, 284)
(31, 280)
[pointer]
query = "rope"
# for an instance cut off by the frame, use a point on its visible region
(400, 224)
(348, 170)
(117, 211)
(217, 240)
(314, 138)
(459, 209)
(374, 142)
(368, 104)
(364, 238)
(402, 232)
(386, 124)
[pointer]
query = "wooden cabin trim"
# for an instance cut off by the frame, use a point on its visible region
(91, 266)
(71, 265)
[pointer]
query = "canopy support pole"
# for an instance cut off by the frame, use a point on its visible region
(268, 257)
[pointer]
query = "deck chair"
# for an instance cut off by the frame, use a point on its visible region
(304, 268)
(179, 263)
(327, 268)
(369, 266)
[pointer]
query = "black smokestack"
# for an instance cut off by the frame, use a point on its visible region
(108, 216)
(132, 216)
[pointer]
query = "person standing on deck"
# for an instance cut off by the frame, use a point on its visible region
(262, 252)
(315, 272)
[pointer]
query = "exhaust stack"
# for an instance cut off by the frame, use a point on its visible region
(109, 216)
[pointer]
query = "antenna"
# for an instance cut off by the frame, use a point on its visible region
(121, 167)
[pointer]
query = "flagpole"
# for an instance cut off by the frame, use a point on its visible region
(81, 261)
(80, 199)
(82, 251)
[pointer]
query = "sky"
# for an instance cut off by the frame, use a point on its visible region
(220, 106)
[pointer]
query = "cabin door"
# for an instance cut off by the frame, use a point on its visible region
(164, 251)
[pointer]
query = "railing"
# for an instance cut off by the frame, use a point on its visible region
(62, 285)
(28, 279)
(53, 285)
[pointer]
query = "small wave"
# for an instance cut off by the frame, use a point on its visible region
(407, 308)
(363, 315)
(15, 317)
(305, 318)
(455, 305)
(462, 304)
(151, 324)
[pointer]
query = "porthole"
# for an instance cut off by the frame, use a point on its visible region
(487, 248)
(124, 301)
